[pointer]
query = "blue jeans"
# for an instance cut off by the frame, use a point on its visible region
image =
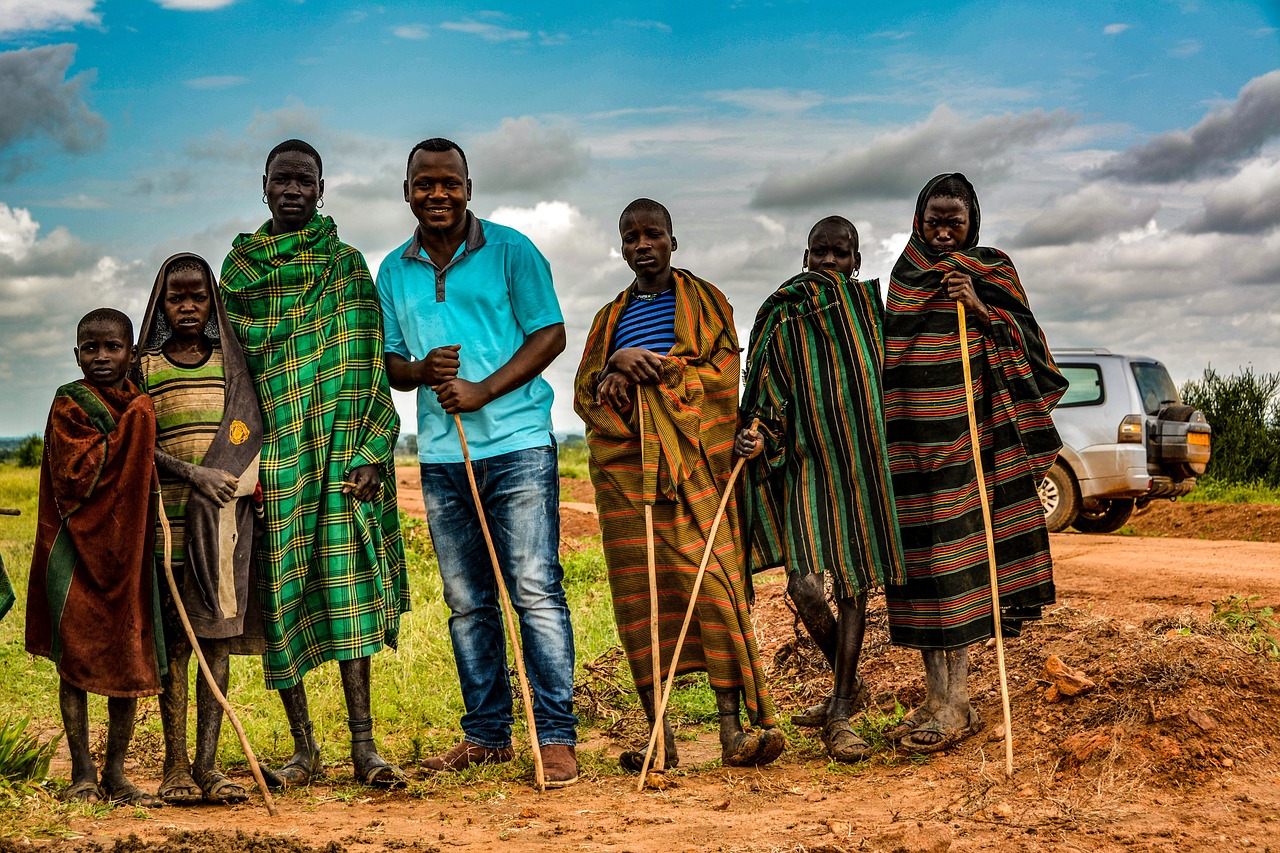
(521, 495)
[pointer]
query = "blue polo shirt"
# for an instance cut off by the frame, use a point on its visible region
(493, 294)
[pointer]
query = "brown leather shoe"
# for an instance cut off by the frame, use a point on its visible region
(559, 765)
(466, 754)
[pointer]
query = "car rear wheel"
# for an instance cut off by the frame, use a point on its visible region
(1109, 517)
(1060, 497)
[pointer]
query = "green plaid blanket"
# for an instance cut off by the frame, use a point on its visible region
(331, 569)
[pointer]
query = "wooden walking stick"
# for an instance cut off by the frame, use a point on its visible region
(688, 614)
(204, 667)
(7, 510)
(655, 642)
(508, 613)
(991, 539)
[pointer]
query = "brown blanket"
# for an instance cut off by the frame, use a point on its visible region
(91, 602)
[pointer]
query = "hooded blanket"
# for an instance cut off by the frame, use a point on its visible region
(92, 606)
(330, 567)
(207, 415)
(691, 418)
(819, 498)
(946, 601)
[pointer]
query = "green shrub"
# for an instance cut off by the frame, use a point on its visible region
(30, 452)
(1244, 411)
(23, 759)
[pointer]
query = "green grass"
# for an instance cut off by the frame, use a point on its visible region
(573, 461)
(416, 700)
(1209, 490)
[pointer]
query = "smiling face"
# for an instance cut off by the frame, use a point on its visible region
(833, 247)
(187, 302)
(103, 351)
(437, 190)
(293, 188)
(945, 224)
(646, 247)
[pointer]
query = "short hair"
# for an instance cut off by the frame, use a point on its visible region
(646, 205)
(299, 146)
(438, 144)
(835, 220)
(953, 186)
(106, 316)
(185, 265)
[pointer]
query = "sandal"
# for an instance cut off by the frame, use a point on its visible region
(177, 788)
(129, 794)
(815, 716)
(381, 774)
(633, 759)
(295, 774)
(86, 792)
(915, 720)
(755, 750)
(215, 787)
(843, 743)
(946, 738)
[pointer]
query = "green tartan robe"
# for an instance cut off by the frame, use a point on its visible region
(820, 498)
(331, 569)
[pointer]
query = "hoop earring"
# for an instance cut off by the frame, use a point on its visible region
(320, 203)
(854, 274)
(264, 198)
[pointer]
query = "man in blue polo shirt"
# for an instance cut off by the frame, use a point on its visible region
(471, 321)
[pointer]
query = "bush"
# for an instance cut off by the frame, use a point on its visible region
(29, 452)
(1244, 411)
(23, 758)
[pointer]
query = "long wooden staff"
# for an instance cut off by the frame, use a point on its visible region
(655, 643)
(507, 612)
(204, 667)
(991, 539)
(688, 614)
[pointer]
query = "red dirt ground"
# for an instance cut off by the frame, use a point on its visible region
(1172, 750)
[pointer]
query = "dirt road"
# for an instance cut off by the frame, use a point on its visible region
(1172, 751)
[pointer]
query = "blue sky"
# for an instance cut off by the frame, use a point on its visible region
(1126, 155)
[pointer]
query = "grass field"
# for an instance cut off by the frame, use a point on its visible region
(416, 701)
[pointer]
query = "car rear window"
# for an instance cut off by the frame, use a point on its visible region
(1084, 385)
(1154, 385)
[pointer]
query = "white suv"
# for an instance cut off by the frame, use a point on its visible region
(1126, 440)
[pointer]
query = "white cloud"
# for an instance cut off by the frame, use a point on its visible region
(1247, 203)
(488, 32)
(1214, 146)
(769, 100)
(1094, 212)
(1115, 29)
(413, 32)
(897, 163)
(40, 101)
(17, 16)
(525, 155)
(647, 25)
(193, 5)
(223, 81)
(1186, 48)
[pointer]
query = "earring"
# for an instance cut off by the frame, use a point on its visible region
(854, 274)
(264, 198)
(320, 203)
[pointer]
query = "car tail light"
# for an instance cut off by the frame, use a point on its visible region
(1130, 430)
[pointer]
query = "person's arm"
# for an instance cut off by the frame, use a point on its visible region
(534, 356)
(217, 485)
(440, 365)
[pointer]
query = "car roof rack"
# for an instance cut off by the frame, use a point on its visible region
(1082, 351)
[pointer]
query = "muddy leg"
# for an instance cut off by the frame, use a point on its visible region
(370, 768)
(305, 761)
(632, 760)
(177, 785)
(208, 709)
(75, 721)
(954, 713)
(810, 598)
(851, 628)
(118, 788)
